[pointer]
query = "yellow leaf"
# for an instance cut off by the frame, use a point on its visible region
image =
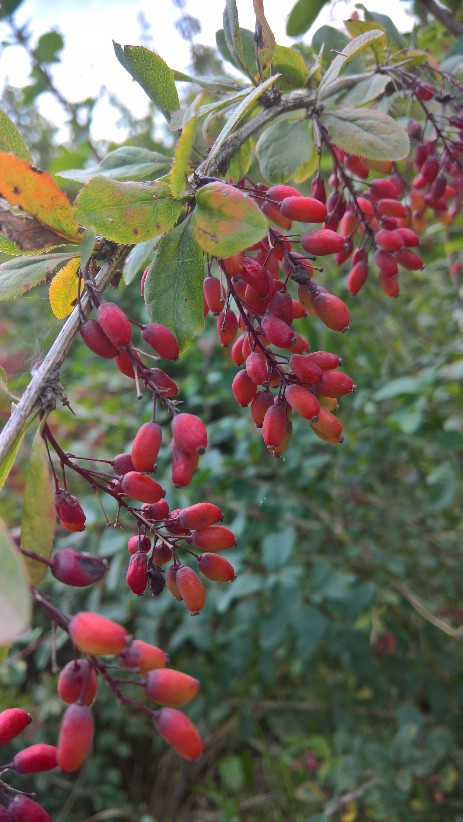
(64, 289)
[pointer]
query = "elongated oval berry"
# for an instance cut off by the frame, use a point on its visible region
(332, 311)
(162, 340)
(390, 285)
(124, 364)
(357, 277)
(335, 384)
(216, 567)
(409, 237)
(146, 445)
(386, 263)
(280, 449)
(143, 656)
(178, 730)
(170, 687)
(227, 327)
(389, 240)
(35, 759)
(96, 340)
(391, 208)
(160, 380)
(142, 488)
(408, 259)
(115, 324)
(77, 682)
(277, 331)
(96, 634)
(324, 359)
(23, 809)
(189, 433)
(327, 425)
(214, 294)
(382, 188)
(244, 389)
(77, 568)
(305, 368)
(257, 368)
(155, 511)
(75, 737)
(233, 264)
(303, 401)
(184, 464)
(281, 306)
(189, 584)
(139, 543)
(69, 511)
(137, 573)
(12, 723)
(199, 516)
(274, 426)
(303, 209)
(323, 242)
(122, 464)
(260, 405)
(256, 275)
(171, 581)
(237, 351)
(161, 554)
(215, 537)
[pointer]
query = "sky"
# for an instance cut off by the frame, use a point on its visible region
(89, 27)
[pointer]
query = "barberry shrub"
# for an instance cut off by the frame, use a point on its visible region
(322, 173)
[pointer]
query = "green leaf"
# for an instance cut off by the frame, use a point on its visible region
(249, 66)
(174, 285)
(385, 22)
(290, 64)
(226, 220)
(4, 386)
(126, 212)
(125, 163)
(38, 516)
(239, 113)
(231, 31)
(182, 155)
(153, 74)
(181, 118)
(212, 83)
(240, 162)
(11, 140)
(264, 37)
(349, 51)
(283, 148)
(140, 256)
(8, 7)
(15, 597)
(367, 90)
(356, 27)
(8, 461)
(367, 132)
(48, 47)
(301, 17)
(88, 245)
(277, 548)
(23, 273)
(329, 39)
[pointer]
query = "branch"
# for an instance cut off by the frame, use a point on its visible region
(44, 378)
(420, 608)
(336, 805)
(443, 16)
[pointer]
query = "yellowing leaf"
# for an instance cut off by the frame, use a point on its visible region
(36, 193)
(265, 40)
(38, 517)
(226, 220)
(11, 140)
(64, 289)
(182, 154)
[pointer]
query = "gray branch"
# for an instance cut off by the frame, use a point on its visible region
(443, 16)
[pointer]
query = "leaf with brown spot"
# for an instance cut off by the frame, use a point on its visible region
(24, 233)
(37, 194)
(265, 40)
(226, 220)
(64, 289)
(23, 273)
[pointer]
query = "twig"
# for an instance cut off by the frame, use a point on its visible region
(420, 608)
(443, 16)
(336, 804)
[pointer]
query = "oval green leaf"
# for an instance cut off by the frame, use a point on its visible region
(226, 220)
(126, 212)
(368, 133)
(125, 163)
(15, 597)
(38, 516)
(283, 148)
(302, 15)
(23, 273)
(174, 285)
(349, 51)
(11, 140)
(153, 74)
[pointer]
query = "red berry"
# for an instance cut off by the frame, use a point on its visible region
(122, 464)
(137, 573)
(171, 581)
(35, 759)
(170, 687)
(386, 263)
(390, 285)
(160, 380)
(143, 656)
(259, 406)
(327, 426)
(335, 384)
(244, 389)
(178, 730)
(227, 327)
(214, 294)
(189, 584)
(12, 723)
(357, 278)
(391, 208)
(304, 209)
(408, 259)
(332, 311)
(257, 276)
(274, 426)
(382, 188)
(184, 464)
(389, 240)
(425, 92)
(303, 401)
(215, 567)
(216, 537)
(162, 553)
(281, 306)
(23, 809)
(237, 351)
(124, 363)
(199, 516)
(318, 189)
(146, 445)
(324, 359)
(162, 340)
(305, 368)
(95, 634)
(69, 511)
(77, 682)
(75, 737)
(77, 568)
(155, 511)
(96, 340)
(141, 488)
(139, 543)
(277, 331)
(115, 324)
(257, 368)
(189, 433)
(321, 243)
(233, 264)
